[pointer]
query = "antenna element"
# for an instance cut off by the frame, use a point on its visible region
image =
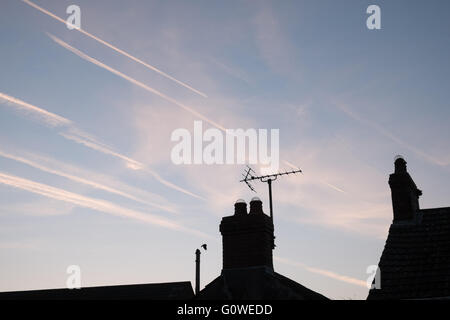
(248, 177)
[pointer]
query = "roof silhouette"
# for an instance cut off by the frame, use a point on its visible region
(256, 283)
(415, 263)
(153, 291)
(248, 274)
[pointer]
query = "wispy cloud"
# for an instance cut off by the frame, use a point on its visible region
(17, 245)
(274, 47)
(134, 81)
(385, 132)
(47, 117)
(131, 163)
(94, 204)
(42, 207)
(71, 132)
(122, 52)
(323, 272)
(136, 165)
(78, 179)
(324, 182)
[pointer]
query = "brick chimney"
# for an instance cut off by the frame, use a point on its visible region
(405, 194)
(247, 238)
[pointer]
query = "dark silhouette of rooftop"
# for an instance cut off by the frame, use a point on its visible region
(248, 261)
(153, 291)
(415, 263)
(247, 273)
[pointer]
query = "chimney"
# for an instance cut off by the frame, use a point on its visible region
(247, 237)
(405, 194)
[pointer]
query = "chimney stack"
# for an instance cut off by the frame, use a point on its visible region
(247, 237)
(405, 194)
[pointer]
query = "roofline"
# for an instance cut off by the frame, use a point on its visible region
(435, 209)
(99, 287)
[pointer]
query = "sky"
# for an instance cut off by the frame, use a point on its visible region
(86, 118)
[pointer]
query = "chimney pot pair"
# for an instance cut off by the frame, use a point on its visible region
(240, 207)
(247, 237)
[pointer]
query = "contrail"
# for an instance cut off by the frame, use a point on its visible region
(132, 80)
(131, 163)
(116, 49)
(323, 272)
(83, 181)
(333, 186)
(291, 165)
(93, 203)
(145, 87)
(383, 131)
(321, 181)
(136, 165)
(78, 136)
(48, 117)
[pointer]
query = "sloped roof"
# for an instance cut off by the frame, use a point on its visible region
(256, 283)
(415, 263)
(153, 291)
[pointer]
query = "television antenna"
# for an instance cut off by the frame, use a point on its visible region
(250, 175)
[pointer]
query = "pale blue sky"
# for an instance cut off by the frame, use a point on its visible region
(346, 101)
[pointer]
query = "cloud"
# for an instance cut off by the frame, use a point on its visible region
(275, 48)
(131, 163)
(80, 139)
(324, 182)
(336, 190)
(42, 207)
(94, 204)
(323, 272)
(79, 179)
(383, 131)
(122, 52)
(17, 245)
(232, 71)
(74, 134)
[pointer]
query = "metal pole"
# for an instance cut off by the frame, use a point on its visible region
(197, 271)
(270, 198)
(271, 208)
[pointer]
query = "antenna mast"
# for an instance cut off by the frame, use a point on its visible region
(248, 177)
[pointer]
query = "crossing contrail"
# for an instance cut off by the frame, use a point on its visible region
(122, 52)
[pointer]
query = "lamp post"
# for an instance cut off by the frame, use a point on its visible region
(197, 268)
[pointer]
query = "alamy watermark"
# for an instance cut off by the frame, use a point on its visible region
(373, 22)
(74, 279)
(374, 280)
(234, 146)
(74, 20)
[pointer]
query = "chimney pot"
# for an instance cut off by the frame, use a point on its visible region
(256, 206)
(400, 164)
(240, 207)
